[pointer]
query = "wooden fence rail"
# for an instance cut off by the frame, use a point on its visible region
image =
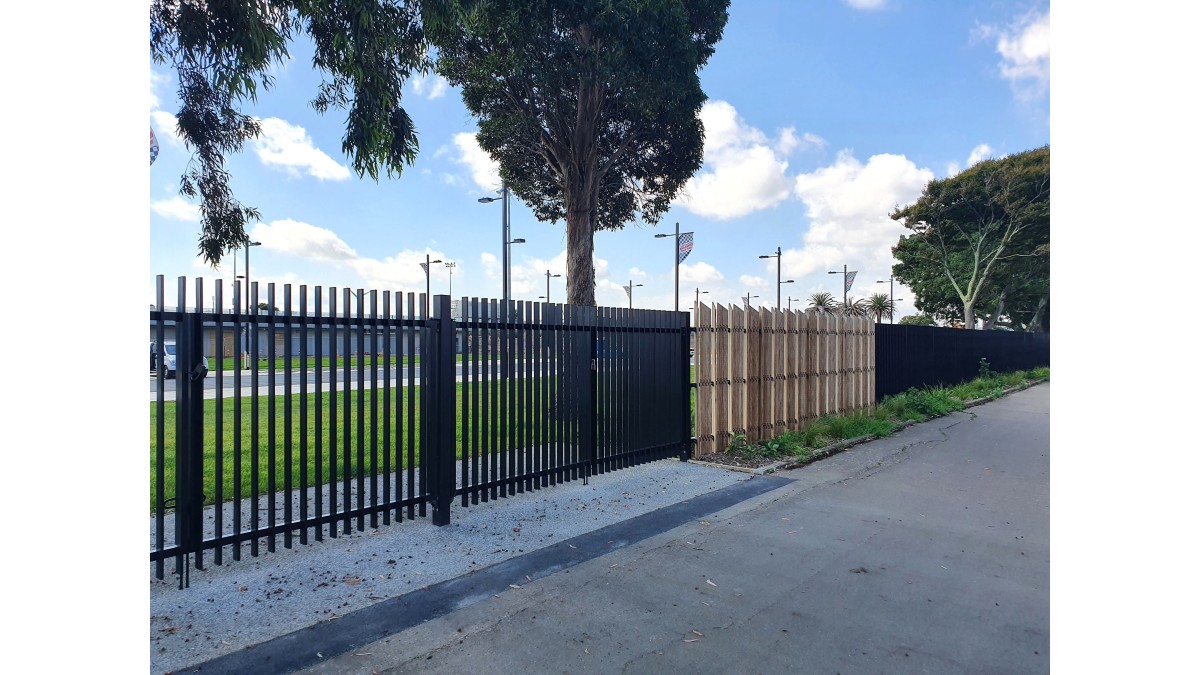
(761, 372)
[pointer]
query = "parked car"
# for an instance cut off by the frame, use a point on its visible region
(169, 359)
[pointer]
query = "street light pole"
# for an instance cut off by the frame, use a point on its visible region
(248, 245)
(629, 292)
(676, 258)
(891, 282)
(778, 256)
(450, 266)
(548, 275)
(845, 291)
(428, 262)
(748, 296)
(505, 273)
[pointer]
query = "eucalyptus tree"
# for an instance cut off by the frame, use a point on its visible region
(590, 107)
(222, 53)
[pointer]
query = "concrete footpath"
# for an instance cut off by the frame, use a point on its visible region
(926, 552)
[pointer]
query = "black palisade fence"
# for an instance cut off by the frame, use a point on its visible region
(323, 414)
(919, 356)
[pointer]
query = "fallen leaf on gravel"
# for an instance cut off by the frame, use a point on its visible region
(364, 654)
(704, 522)
(692, 640)
(527, 578)
(352, 581)
(513, 586)
(709, 582)
(696, 632)
(516, 529)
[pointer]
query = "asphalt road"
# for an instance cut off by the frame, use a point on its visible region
(926, 552)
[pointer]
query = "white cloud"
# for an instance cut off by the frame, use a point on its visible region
(637, 273)
(979, 153)
(866, 4)
(430, 87)
(1024, 49)
(743, 171)
(304, 240)
(752, 281)
(529, 275)
(403, 271)
(176, 208)
(157, 80)
(484, 171)
(848, 206)
(700, 273)
(165, 128)
(289, 146)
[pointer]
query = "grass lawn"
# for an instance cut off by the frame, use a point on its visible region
(362, 421)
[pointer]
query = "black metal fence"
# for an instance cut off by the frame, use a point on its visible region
(361, 411)
(919, 356)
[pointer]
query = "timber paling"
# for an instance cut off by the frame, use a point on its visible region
(761, 372)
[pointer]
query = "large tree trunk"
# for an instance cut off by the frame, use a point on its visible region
(991, 322)
(969, 315)
(1041, 317)
(581, 275)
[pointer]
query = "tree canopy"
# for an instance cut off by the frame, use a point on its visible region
(981, 240)
(590, 106)
(222, 52)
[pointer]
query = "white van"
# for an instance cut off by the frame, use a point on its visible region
(169, 360)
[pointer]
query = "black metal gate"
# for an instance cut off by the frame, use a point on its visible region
(331, 417)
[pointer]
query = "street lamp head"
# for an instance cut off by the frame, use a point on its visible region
(488, 200)
(789, 281)
(766, 256)
(556, 275)
(517, 241)
(254, 243)
(834, 272)
(660, 236)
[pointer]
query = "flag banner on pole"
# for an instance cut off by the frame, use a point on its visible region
(153, 147)
(685, 245)
(850, 280)
(424, 266)
(628, 292)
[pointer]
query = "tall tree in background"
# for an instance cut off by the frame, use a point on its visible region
(589, 106)
(222, 51)
(975, 230)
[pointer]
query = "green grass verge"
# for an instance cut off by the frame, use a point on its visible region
(890, 415)
(285, 454)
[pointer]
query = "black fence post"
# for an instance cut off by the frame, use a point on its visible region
(587, 431)
(189, 476)
(440, 378)
(685, 339)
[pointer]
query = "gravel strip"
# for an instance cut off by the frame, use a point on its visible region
(246, 602)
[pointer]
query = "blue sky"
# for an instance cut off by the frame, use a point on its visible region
(822, 117)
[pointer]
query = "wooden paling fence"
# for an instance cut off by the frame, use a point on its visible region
(761, 372)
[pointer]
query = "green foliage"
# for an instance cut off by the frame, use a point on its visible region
(880, 305)
(917, 320)
(223, 51)
(822, 302)
(985, 369)
(854, 307)
(590, 107)
(980, 239)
